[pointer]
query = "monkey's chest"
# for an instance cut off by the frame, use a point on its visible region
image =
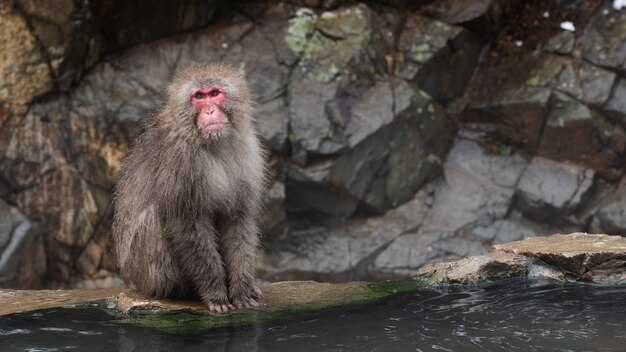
(221, 186)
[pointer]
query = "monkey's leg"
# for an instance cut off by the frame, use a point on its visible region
(200, 261)
(239, 243)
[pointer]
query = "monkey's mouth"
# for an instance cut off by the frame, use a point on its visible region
(212, 127)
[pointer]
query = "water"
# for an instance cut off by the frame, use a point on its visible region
(507, 317)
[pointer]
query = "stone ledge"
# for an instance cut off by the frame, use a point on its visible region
(593, 258)
(276, 297)
(577, 257)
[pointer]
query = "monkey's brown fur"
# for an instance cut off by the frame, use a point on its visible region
(186, 203)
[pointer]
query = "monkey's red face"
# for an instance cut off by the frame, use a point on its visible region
(208, 102)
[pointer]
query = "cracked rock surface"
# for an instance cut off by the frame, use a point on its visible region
(583, 257)
(397, 132)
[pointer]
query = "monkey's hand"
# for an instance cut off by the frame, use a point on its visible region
(247, 300)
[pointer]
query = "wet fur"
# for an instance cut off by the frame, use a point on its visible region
(186, 203)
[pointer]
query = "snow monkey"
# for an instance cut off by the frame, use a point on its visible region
(188, 194)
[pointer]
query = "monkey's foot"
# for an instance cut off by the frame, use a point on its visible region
(219, 307)
(245, 302)
(245, 296)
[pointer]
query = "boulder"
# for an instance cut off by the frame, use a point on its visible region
(513, 228)
(338, 250)
(478, 189)
(603, 40)
(68, 35)
(548, 189)
(438, 57)
(47, 159)
(471, 270)
(600, 143)
(22, 254)
(615, 106)
(478, 186)
(589, 257)
(384, 168)
(583, 257)
(340, 52)
(334, 42)
(494, 98)
(610, 216)
(24, 71)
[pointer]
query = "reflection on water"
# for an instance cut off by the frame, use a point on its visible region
(508, 317)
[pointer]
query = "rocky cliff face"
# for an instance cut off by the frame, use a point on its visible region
(399, 132)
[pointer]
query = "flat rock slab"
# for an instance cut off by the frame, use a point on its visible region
(286, 295)
(574, 244)
(18, 301)
(277, 298)
(593, 258)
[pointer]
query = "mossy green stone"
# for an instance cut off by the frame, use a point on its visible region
(280, 301)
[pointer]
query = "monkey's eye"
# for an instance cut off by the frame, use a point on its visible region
(215, 93)
(198, 95)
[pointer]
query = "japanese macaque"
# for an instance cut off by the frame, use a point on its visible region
(188, 194)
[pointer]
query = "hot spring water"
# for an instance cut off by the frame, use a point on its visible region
(511, 316)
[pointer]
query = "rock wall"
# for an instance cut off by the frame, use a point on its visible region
(399, 132)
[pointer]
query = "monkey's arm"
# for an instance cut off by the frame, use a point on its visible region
(195, 248)
(240, 241)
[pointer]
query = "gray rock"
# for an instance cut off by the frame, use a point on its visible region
(34, 148)
(430, 54)
(478, 186)
(405, 254)
(309, 123)
(272, 121)
(24, 74)
(507, 230)
(616, 105)
(336, 104)
(398, 151)
(374, 110)
(89, 261)
(22, 256)
(67, 32)
(603, 41)
(50, 155)
(570, 119)
(471, 270)
(566, 110)
(273, 216)
(350, 105)
(574, 257)
(549, 188)
(325, 84)
(611, 214)
(500, 98)
(562, 43)
(596, 258)
(596, 83)
(504, 106)
(340, 250)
